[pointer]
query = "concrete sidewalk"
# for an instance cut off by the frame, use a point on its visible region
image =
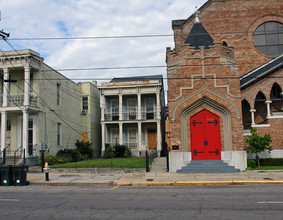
(140, 178)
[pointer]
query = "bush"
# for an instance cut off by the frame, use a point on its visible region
(271, 162)
(120, 150)
(251, 163)
(109, 152)
(72, 154)
(50, 159)
(84, 148)
(127, 153)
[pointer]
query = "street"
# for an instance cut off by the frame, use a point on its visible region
(166, 202)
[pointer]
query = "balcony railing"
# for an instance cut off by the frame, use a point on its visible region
(131, 115)
(18, 100)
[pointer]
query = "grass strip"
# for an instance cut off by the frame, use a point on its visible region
(130, 163)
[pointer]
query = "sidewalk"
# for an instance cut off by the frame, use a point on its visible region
(140, 178)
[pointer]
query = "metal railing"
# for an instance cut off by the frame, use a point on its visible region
(131, 115)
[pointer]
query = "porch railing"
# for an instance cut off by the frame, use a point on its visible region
(18, 100)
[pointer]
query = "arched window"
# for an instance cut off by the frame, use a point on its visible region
(246, 114)
(261, 110)
(277, 99)
(268, 38)
(260, 97)
(275, 93)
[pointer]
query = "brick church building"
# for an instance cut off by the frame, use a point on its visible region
(224, 77)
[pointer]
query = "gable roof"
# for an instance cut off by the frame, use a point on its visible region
(199, 37)
(261, 71)
(138, 78)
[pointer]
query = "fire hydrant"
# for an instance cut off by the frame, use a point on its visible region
(46, 169)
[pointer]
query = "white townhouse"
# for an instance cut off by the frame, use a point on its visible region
(132, 114)
(38, 104)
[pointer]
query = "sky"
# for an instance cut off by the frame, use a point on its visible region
(67, 19)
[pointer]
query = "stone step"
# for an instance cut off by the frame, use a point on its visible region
(159, 165)
(208, 166)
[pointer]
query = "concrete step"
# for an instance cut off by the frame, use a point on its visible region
(159, 165)
(208, 166)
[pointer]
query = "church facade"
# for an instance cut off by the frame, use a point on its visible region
(224, 77)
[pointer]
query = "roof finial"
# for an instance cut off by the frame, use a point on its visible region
(197, 13)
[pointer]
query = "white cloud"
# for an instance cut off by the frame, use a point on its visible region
(79, 18)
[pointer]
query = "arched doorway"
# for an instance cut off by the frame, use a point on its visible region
(205, 136)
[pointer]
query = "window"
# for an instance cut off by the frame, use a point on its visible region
(8, 125)
(132, 137)
(58, 94)
(149, 108)
(115, 110)
(276, 92)
(268, 38)
(84, 105)
(114, 136)
(132, 109)
(59, 134)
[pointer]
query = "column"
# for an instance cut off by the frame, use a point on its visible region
(27, 86)
(252, 111)
(139, 106)
(102, 139)
(158, 138)
(25, 130)
(3, 131)
(140, 136)
(102, 107)
(6, 88)
(268, 108)
(158, 104)
(120, 107)
(121, 133)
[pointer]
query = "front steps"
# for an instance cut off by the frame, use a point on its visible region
(159, 165)
(208, 166)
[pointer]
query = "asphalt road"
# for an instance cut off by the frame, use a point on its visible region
(166, 202)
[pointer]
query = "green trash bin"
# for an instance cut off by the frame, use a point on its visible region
(6, 175)
(20, 175)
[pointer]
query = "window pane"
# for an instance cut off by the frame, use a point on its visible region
(260, 30)
(272, 50)
(272, 39)
(262, 49)
(259, 40)
(281, 38)
(271, 27)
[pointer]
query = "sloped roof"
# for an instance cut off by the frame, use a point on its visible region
(261, 71)
(138, 78)
(199, 37)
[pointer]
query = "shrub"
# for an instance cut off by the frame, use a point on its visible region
(50, 159)
(72, 154)
(271, 162)
(127, 153)
(109, 152)
(84, 148)
(251, 163)
(120, 150)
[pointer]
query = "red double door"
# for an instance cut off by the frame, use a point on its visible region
(205, 136)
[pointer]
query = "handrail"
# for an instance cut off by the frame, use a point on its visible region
(4, 154)
(16, 153)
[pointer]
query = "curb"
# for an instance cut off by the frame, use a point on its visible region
(198, 183)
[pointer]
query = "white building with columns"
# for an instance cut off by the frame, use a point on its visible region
(38, 104)
(131, 114)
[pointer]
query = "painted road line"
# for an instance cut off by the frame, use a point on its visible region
(9, 200)
(99, 189)
(270, 202)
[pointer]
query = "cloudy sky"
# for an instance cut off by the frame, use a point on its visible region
(66, 19)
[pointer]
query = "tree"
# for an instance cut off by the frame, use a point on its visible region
(258, 144)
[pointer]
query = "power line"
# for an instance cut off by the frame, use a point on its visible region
(130, 36)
